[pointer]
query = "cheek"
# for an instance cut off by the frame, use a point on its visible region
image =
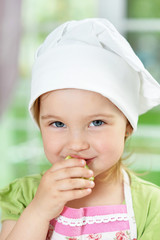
(111, 144)
(51, 147)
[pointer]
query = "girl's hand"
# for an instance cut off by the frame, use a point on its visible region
(63, 182)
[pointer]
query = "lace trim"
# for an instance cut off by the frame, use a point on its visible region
(91, 220)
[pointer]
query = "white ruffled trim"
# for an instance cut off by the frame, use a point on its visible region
(91, 220)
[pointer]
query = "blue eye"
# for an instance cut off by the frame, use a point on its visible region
(96, 123)
(58, 124)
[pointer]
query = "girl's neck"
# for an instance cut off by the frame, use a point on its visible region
(109, 192)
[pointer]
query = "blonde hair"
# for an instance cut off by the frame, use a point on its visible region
(36, 110)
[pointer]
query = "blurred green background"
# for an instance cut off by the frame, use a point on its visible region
(20, 141)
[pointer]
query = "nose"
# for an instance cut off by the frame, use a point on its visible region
(78, 142)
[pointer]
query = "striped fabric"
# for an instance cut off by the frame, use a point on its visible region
(99, 222)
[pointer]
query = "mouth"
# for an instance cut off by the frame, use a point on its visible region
(88, 160)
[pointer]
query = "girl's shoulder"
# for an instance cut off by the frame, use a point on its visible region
(16, 196)
(143, 187)
(146, 196)
(144, 192)
(26, 184)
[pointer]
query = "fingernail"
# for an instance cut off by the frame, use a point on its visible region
(91, 183)
(89, 189)
(83, 162)
(90, 172)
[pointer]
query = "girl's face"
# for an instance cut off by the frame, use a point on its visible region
(82, 124)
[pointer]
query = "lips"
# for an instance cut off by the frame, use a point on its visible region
(76, 156)
(88, 160)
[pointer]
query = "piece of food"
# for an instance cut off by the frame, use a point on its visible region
(86, 166)
(68, 157)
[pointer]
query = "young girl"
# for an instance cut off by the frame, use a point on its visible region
(88, 89)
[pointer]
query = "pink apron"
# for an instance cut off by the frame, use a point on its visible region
(111, 222)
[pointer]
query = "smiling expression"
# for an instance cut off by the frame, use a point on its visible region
(82, 124)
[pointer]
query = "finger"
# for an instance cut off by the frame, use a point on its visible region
(76, 183)
(76, 194)
(74, 172)
(73, 162)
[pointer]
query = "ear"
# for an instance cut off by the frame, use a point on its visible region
(129, 130)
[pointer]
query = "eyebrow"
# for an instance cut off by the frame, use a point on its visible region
(100, 115)
(48, 116)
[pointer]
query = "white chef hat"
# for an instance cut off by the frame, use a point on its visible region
(91, 55)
